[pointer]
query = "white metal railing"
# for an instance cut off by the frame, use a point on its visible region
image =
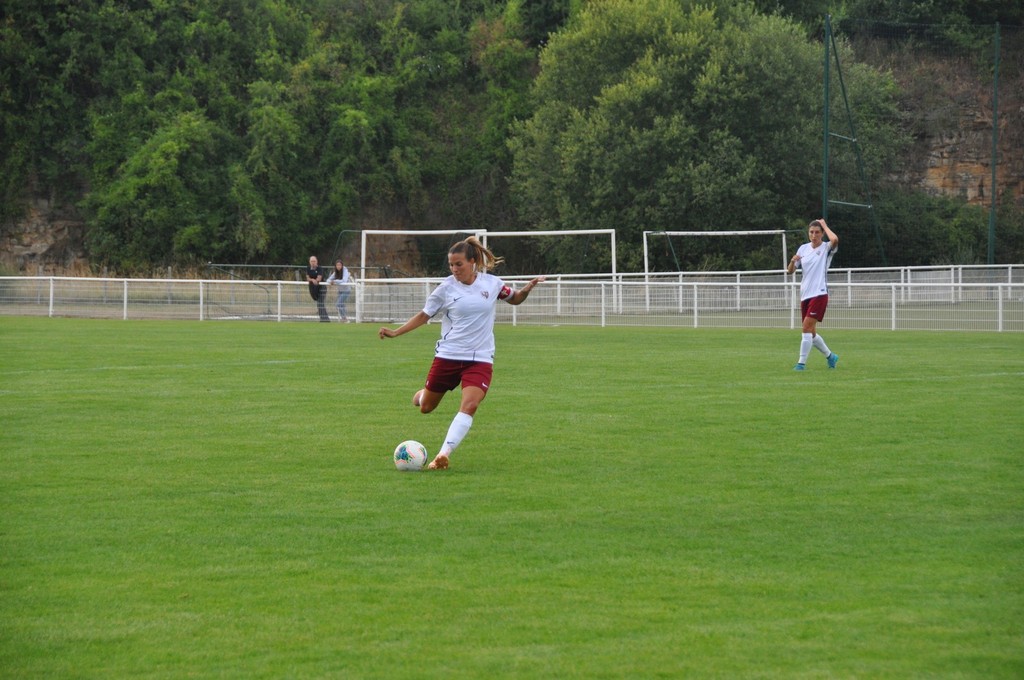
(736, 301)
(960, 273)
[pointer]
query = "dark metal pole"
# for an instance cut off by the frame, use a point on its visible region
(825, 138)
(995, 156)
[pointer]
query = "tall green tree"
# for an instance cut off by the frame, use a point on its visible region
(256, 131)
(169, 129)
(653, 115)
(55, 58)
(157, 211)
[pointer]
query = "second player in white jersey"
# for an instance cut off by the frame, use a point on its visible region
(813, 259)
(813, 263)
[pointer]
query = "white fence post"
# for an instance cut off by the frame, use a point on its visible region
(357, 287)
(893, 307)
(602, 302)
(696, 314)
(793, 302)
(999, 309)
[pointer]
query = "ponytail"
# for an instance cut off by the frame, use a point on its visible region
(472, 249)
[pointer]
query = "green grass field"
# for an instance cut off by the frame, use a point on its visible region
(186, 499)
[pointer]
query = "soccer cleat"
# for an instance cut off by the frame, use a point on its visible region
(417, 397)
(440, 462)
(799, 367)
(833, 359)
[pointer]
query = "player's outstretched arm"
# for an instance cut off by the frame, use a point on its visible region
(518, 297)
(412, 324)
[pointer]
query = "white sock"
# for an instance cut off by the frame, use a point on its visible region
(456, 432)
(820, 345)
(805, 346)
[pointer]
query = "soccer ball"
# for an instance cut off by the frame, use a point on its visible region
(410, 455)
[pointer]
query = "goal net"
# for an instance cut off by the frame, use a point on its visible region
(714, 251)
(408, 253)
(387, 253)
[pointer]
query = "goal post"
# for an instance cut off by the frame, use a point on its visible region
(670, 234)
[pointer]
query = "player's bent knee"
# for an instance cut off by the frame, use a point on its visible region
(427, 400)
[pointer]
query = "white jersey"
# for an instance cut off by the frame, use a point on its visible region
(467, 324)
(813, 265)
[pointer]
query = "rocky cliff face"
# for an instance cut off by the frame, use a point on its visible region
(957, 161)
(959, 164)
(48, 239)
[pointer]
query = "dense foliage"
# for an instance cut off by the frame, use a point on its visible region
(259, 130)
(687, 119)
(246, 131)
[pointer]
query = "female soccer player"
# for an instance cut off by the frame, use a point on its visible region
(814, 259)
(465, 353)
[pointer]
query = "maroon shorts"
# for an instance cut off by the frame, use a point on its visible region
(814, 307)
(447, 374)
